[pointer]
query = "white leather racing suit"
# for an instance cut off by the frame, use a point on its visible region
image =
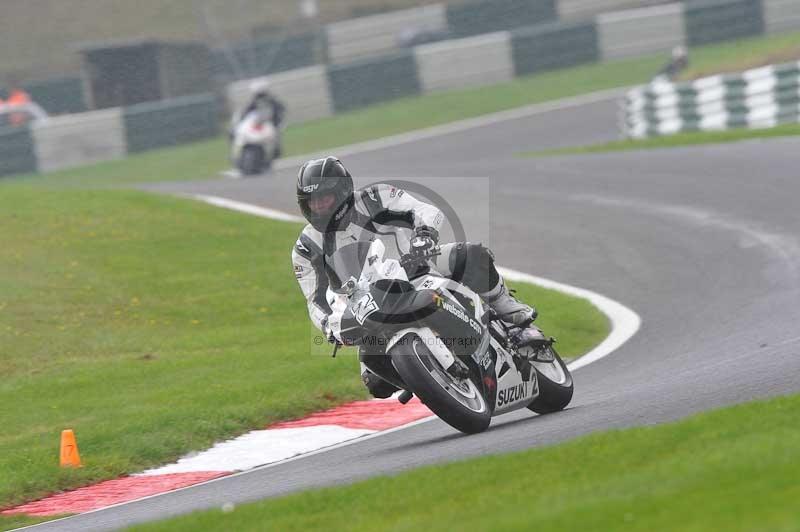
(377, 210)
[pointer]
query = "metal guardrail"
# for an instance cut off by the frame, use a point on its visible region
(761, 97)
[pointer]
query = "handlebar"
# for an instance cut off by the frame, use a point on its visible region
(410, 259)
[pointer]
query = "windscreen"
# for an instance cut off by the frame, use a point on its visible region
(348, 261)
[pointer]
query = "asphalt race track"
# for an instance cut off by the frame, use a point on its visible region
(701, 242)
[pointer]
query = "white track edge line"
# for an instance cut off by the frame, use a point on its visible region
(239, 473)
(624, 321)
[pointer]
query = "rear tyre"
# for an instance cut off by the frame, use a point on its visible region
(459, 403)
(555, 385)
(251, 161)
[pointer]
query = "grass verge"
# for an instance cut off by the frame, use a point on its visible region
(679, 139)
(742, 54)
(734, 469)
(154, 326)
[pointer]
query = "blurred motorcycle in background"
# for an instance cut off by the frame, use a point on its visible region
(255, 143)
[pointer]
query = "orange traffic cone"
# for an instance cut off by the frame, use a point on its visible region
(69, 450)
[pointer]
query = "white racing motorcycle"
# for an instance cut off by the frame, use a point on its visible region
(255, 143)
(442, 343)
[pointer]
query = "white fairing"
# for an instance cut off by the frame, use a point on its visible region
(258, 130)
(512, 391)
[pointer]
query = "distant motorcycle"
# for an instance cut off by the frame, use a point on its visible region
(442, 343)
(255, 143)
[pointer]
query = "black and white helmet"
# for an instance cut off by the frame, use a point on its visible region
(325, 194)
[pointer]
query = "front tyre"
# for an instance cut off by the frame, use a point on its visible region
(251, 161)
(459, 403)
(555, 385)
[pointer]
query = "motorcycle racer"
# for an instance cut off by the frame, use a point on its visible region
(339, 215)
(262, 99)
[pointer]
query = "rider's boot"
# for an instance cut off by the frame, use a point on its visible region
(509, 308)
(379, 388)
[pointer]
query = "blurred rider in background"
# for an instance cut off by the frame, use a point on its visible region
(263, 100)
(17, 97)
(679, 61)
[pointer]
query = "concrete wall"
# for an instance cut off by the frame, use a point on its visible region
(475, 17)
(305, 92)
(377, 34)
(74, 140)
(470, 62)
(710, 21)
(553, 46)
(781, 15)
(154, 125)
(374, 80)
(640, 31)
(582, 9)
(17, 153)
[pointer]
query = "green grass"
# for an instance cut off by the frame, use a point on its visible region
(742, 54)
(198, 160)
(735, 469)
(679, 139)
(11, 522)
(153, 326)
(114, 304)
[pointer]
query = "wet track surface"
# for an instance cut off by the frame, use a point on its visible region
(701, 242)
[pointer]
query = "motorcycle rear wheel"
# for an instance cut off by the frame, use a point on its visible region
(457, 402)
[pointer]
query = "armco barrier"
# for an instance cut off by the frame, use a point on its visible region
(462, 63)
(640, 31)
(781, 15)
(304, 91)
(761, 97)
(378, 34)
(553, 46)
(169, 122)
(16, 151)
(709, 21)
(260, 57)
(73, 140)
(373, 80)
(485, 16)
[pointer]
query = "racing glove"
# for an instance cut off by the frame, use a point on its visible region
(426, 231)
(328, 332)
(425, 241)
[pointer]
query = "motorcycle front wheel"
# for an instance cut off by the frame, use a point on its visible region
(457, 402)
(251, 162)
